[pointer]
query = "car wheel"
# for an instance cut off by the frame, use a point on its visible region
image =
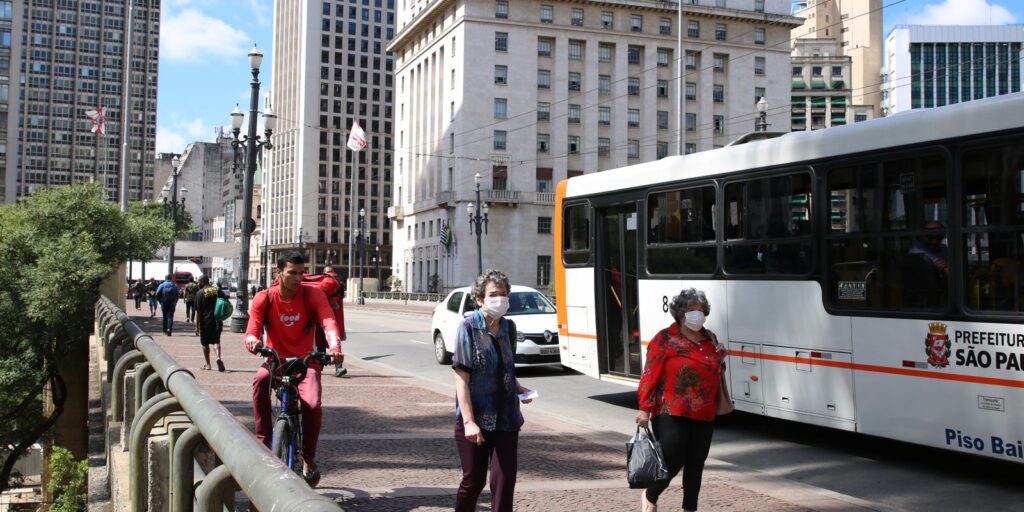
(440, 353)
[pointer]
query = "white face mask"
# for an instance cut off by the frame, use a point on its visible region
(494, 307)
(694, 320)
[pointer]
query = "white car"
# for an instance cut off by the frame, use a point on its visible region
(534, 316)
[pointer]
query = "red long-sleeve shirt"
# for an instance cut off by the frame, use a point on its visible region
(681, 378)
(290, 328)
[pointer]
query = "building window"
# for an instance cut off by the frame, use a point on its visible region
(633, 86)
(604, 84)
(758, 94)
(575, 81)
(664, 56)
(543, 225)
(500, 108)
(719, 61)
(499, 139)
(543, 79)
(547, 14)
(759, 65)
(718, 93)
(691, 148)
(691, 60)
(501, 9)
(758, 36)
(798, 70)
(837, 71)
(691, 91)
(634, 148)
(816, 70)
(575, 50)
(860, 117)
(662, 150)
(607, 19)
(663, 120)
(577, 17)
(501, 41)
(719, 125)
(604, 52)
(604, 115)
(759, 6)
(544, 46)
(636, 23)
(499, 177)
(693, 29)
(663, 88)
(604, 146)
(691, 122)
(665, 26)
(633, 117)
(543, 142)
(574, 144)
(451, 83)
(543, 111)
(719, 31)
(633, 53)
(501, 75)
(543, 270)
(574, 114)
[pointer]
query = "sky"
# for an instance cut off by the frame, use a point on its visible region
(204, 46)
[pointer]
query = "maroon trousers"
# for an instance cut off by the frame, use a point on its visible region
(499, 452)
(309, 397)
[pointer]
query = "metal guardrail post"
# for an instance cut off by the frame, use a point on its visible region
(117, 382)
(149, 388)
(110, 350)
(182, 473)
(143, 423)
(210, 493)
(141, 372)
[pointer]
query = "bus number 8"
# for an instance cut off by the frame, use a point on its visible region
(664, 303)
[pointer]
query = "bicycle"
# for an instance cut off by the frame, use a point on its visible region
(286, 443)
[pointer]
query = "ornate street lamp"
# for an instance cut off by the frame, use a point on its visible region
(475, 221)
(361, 235)
(253, 143)
(174, 203)
(762, 112)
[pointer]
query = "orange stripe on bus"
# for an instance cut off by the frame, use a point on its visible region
(559, 273)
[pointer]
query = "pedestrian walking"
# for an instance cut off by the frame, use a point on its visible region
(191, 289)
(336, 299)
(139, 289)
(208, 328)
(679, 388)
(487, 416)
(151, 294)
(167, 294)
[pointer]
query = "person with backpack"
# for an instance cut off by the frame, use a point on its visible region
(288, 311)
(190, 299)
(167, 294)
(336, 298)
(208, 325)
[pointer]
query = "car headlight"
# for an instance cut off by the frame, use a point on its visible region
(520, 337)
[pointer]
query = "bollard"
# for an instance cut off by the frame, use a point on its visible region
(145, 419)
(211, 494)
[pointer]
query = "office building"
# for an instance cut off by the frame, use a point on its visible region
(71, 56)
(932, 66)
(528, 93)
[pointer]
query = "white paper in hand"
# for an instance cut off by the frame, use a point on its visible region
(529, 395)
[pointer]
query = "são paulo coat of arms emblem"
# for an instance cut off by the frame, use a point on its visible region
(937, 343)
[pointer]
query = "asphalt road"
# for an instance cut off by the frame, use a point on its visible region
(881, 474)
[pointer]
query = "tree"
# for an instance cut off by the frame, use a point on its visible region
(159, 211)
(57, 246)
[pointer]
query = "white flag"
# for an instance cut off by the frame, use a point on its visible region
(98, 118)
(356, 137)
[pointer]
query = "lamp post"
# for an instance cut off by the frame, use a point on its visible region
(475, 221)
(253, 143)
(145, 212)
(376, 259)
(762, 112)
(176, 171)
(361, 235)
(300, 237)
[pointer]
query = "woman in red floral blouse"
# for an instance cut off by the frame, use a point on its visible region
(679, 388)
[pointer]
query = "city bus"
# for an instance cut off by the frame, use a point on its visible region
(865, 277)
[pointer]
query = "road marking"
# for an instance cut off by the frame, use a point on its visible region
(418, 341)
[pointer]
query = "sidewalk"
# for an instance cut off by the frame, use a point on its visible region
(386, 444)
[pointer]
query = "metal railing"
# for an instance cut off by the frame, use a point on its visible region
(405, 296)
(162, 387)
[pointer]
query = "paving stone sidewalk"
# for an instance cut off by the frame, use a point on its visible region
(387, 445)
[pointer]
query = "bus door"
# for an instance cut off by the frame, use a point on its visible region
(619, 329)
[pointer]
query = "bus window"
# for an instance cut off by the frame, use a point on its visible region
(576, 235)
(768, 225)
(681, 232)
(993, 227)
(887, 239)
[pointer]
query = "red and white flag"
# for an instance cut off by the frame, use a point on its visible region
(98, 118)
(356, 137)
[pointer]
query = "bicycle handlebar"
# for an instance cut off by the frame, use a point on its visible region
(266, 351)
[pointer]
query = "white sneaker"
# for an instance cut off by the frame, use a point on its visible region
(645, 504)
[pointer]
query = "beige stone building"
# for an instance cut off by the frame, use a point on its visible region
(822, 94)
(857, 27)
(527, 93)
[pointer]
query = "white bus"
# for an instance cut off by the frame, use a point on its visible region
(865, 277)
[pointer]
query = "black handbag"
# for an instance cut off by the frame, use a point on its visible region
(645, 464)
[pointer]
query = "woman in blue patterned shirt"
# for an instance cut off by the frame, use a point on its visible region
(486, 391)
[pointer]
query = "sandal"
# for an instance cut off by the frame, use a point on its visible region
(312, 477)
(204, 367)
(220, 366)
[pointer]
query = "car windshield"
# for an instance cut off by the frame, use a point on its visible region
(529, 303)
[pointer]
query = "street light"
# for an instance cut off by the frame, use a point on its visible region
(145, 212)
(361, 235)
(376, 259)
(475, 220)
(762, 112)
(175, 172)
(253, 143)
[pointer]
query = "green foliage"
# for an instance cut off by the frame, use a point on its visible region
(68, 481)
(158, 214)
(57, 247)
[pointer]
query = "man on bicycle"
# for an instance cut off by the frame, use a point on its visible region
(288, 312)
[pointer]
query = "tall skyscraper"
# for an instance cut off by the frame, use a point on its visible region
(330, 69)
(526, 93)
(10, 46)
(71, 61)
(932, 66)
(857, 27)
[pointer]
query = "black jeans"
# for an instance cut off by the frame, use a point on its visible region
(499, 452)
(685, 443)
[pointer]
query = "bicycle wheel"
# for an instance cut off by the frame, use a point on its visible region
(284, 445)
